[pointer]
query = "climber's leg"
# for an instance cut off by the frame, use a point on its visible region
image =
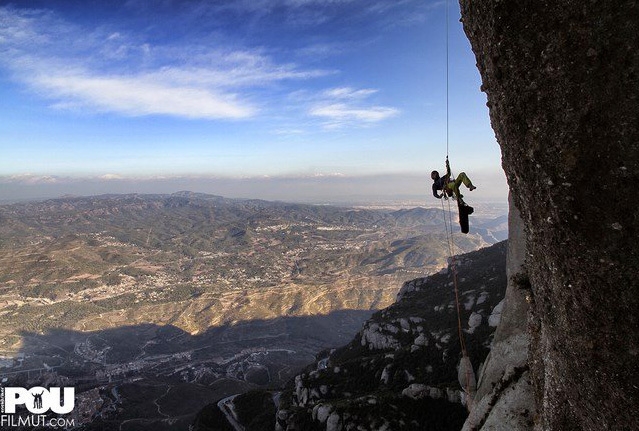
(463, 178)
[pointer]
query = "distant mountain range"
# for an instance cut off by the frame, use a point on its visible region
(188, 275)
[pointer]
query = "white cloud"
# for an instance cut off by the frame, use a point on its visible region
(323, 50)
(237, 70)
(345, 106)
(289, 132)
(349, 93)
(110, 71)
(341, 115)
(136, 95)
(299, 3)
(268, 6)
(340, 111)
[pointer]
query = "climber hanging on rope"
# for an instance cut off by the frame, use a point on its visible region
(450, 188)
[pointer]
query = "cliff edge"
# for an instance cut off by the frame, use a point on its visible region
(504, 399)
(402, 370)
(562, 82)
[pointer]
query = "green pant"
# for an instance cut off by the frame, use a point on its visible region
(453, 186)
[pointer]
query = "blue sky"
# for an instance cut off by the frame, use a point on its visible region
(140, 95)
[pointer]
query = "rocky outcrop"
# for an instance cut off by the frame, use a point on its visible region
(504, 400)
(404, 369)
(562, 80)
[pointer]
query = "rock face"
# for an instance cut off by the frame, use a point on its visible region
(562, 80)
(403, 370)
(504, 399)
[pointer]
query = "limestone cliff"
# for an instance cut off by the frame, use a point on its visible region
(401, 372)
(562, 81)
(504, 399)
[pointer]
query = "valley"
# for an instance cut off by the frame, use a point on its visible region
(185, 294)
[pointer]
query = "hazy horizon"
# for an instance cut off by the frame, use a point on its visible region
(370, 189)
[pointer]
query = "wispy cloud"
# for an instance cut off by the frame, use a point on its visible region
(349, 93)
(345, 106)
(402, 13)
(111, 71)
(340, 113)
(317, 51)
(108, 69)
(289, 132)
(308, 11)
(138, 95)
(235, 69)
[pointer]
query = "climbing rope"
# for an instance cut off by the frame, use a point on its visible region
(447, 77)
(448, 225)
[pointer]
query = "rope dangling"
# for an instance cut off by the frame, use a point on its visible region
(465, 361)
(448, 224)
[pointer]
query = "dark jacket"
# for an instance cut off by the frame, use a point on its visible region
(440, 183)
